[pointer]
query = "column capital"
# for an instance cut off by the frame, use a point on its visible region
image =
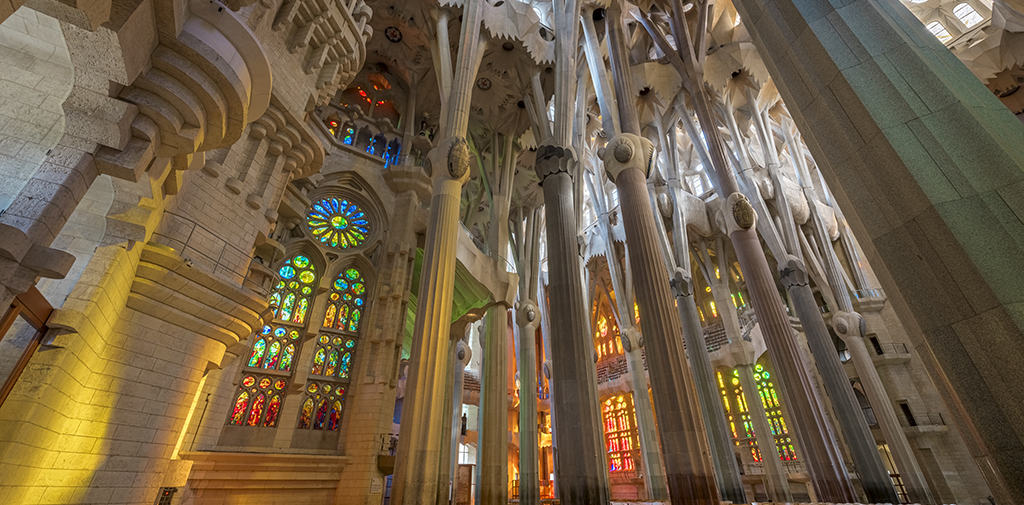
(793, 272)
(630, 336)
(553, 160)
(626, 151)
(738, 214)
(449, 159)
(681, 282)
(848, 325)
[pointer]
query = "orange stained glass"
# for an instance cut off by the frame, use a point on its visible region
(621, 437)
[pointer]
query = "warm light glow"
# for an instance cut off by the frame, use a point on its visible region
(620, 432)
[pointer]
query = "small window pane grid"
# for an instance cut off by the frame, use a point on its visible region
(258, 401)
(939, 31)
(606, 331)
(740, 416)
(620, 432)
(275, 348)
(293, 293)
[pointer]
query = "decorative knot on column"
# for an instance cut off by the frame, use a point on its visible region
(626, 151)
(553, 160)
(630, 335)
(681, 282)
(739, 214)
(792, 272)
(463, 353)
(527, 313)
(451, 153)
(848, 324)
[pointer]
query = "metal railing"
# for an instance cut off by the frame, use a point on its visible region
(891, 348)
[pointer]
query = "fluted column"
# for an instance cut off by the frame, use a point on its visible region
(421, 437)
(493, 486)
(849, 327)
(859, 440)
(529, 480)
(462, 356)
(776, 479)
(627, 159)
(726, 469)
(579, 460)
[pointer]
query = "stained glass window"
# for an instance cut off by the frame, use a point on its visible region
(294, 289)
(347, 301)
(739, 418)
(620, 432)
(322, 408)
(337, 223)
(257, 401)
(606, 331)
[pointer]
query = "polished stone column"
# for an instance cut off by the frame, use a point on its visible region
(627, 158)
(421, 438)
(579, 460)
(492, 489)
(927, 166)
(859, 440)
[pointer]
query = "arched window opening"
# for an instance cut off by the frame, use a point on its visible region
(620, 432)
(291, 296)
(939, 31)
(322, 408)
(967, 15)
(347, 302)
(607, 343)
(739, 417)
(257, 401)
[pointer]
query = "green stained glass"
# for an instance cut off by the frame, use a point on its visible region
(306, 277)
(347, 297)
(301, 261)
(293, 285)
(293, 335)
(337, 223)
(352, 274)
(340, 284)
(358, 288)
(279, 285)
(350, 343)
(306, 290)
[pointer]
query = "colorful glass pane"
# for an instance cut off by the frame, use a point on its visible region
(312, 387)
(256, 413)
(342, 317)
(340, 284)
(332, 309)
(346, 361)
(286, 358)
(294, 335)
(248, 381)
(352, 274)
(286, 272)
(258, 349)
(273, 355)
(279, 332)
(306, 276)
(332, 363)
(350, 343)
(318, 362)
(280, 384)
(300, 261)
(321, 416)
(287, 307)
(264, 383)
(324, 339)
(353, 323)
(307, 413)
(300, 311)
(238, 412)
(337, 223)
(266, 330)
(335, 416)
(273, 408)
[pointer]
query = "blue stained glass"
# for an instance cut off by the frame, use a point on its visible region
(279, 332)
(286, 272)
(359, 302)
(266, 330)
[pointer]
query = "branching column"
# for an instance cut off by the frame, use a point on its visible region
(527, 318)
(579, 460)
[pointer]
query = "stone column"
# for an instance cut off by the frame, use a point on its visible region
(462, 355)
(529, 480)
(493, 486)
(850, 327)
(420, 436)
(579, 461)
(689, 472)
(927, 166)
(775, 477)
(859, 440)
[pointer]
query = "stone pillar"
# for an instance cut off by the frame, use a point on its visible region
(729, 482)
(579, 461)
(529, 479)
(689, 472)
(493, 486)
(859, 440)
(926, 164)
(850, 327)
(420, 437)
(463, 354)
(775, 478)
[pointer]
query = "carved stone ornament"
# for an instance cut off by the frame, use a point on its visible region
(552, 160)
(848, 324)
(681, 282)
(741, 215)
(458, 158)
(793, 272)
(626, 151)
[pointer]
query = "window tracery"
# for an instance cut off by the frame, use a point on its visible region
(293, 293)
(337, 223)
(257, 401)
(620, 432)
(740, 416)
(323, 406)
(967, 15)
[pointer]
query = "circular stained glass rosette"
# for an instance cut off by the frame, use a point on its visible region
(324, 339)
(312, 387)
(280, 384)
(294, 335)
(248, 381)
(286, 272)
(279, 332)
(338, 223)
(264, 382)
